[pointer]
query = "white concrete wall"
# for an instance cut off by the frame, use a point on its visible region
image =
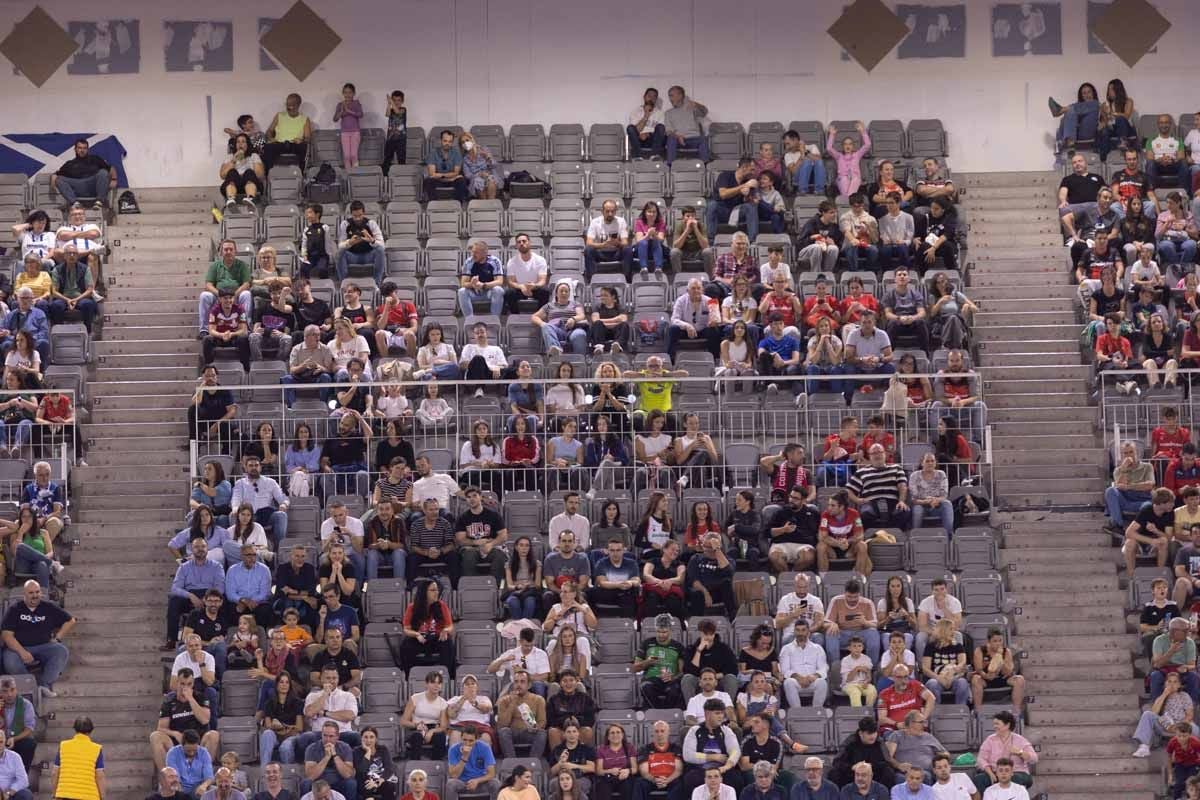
(510, 61)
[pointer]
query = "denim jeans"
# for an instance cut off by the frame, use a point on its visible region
(73, 188)
(854, 253)
(894, 255)
(12, 435)
(700, 143)
(656, 143)
(375, 557)
(960, 687)
(289, 395)
(716, 214)
(522, 607)
(53, 657)
(945, 510)
(374, 258)
(1079, 121)
(824, 386)
(1182, 173)
(467, 298)
(811, 173)
(31, 561)
(572, 341)
(1171, 252)
(870, 637)
(651, 253)
(1118, 501)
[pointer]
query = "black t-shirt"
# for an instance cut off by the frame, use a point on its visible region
(207, 629)
(213, 404)
(944, 656)
(345, 661)
(175, 796)
(180, 713)
(357, 316)
(604, 312)
(34, 627)
(726, 180)
(806, 526)
(314, 240)
(314, 313)
(480, 527)
(285, 712)
(348, 572)
(304, 580)
(945, 225)
(1161, 521)
(345, 450)
(386, 451)
(580, 754)
(85, 167)
(1189, 557)
(1106, 304)
(771, 751)
(1082, 188)
(274, 319)
(1152, 614)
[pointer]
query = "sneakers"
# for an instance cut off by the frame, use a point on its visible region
(81, 463)
(57, 568)
(46, 691)
(230, 202)
(1056, 108)
(1143, 751)
(553, 350)
(479, 392)
(645, 270)
(616, 348)
(598, 349)
(590, 495)
(683, 482)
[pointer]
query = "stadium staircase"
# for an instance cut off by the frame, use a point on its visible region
(133, 492)
(1049, 469)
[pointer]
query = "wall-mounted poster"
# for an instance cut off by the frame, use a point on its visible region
(265, 62)
(1027, 29)
(1095, 10)
(198, 46)
(936, 31)
(106, 47)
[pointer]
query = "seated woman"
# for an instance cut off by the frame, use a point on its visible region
(214, 491)
(897, 654)
(479, 168)
(896, 613)
(392, 444)
(522, 458)
(944, 664)
(525, 399)
(55, 419)
(569, 652)
(744, 527)
(30, 549)
(606, 454)
(918, 393)
(265, 447)
(611, 397)
(609, 331)
(425, 721)
(695, 454)
(951, 313)
(1137, 230)
(520, 785)
(1157, 352)
(952, 451)
(609, 526)
(522, 581)
(301, 460)
(242, 173)
(344, 457)
(564, 400)
(479, 459)
(740, 305)
(374, 772)
(34, 237)
(616, 765)
(758, 659)
(245, 530)
(435, 356)
(564, 453)
(1078, 121)
(825, 357)
(1104, 300)
(737, 355)
(653, 453)
(346, 345)
(16, 417)
(929, 494)
(570, 610)
(202, 524)
(1005, 742)
(650, 233)
(562, 322)
(938, 236)
(266, 271)
(428, 629)
(700, 524)
(662, 583)
(1113, 352)
(1176, 232)
(1116, 120)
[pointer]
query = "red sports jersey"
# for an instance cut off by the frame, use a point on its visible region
(1168, 444)
(886, 439)
(848, 525)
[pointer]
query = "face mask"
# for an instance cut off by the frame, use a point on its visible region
(468, 146)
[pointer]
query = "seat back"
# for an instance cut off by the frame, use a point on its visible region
(527, 143)
(566, 142)
(606, 142)
(726, 140)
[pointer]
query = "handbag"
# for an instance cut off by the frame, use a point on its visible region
(299, 486)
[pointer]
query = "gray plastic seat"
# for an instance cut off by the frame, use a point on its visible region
(443, 218)
(567, 179)
(764, 133)
(485, 218)
(526, 216)
(726, 140)
(371, 147)
(926, 137)
(566, 217)
(811, 727)
(527, 143)
(566, 142)
(605, 180)
(606, 142)
(404, 181)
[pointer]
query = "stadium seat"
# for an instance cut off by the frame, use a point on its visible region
(606, 142)
(566, 142)
(726, 140)
(492, 137)
(926, 137)
(527, 143)
(811, 727)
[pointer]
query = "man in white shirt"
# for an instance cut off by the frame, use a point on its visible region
(932, 609)
(430, 484)
(805, 668)
(694, 713)
(263, 495)
(526, 656)
(571, 520)
(800, 605)
(1004, 788)
(526, 275)
(714, 787)
(695, 316)
(607, 240)
(1165, 156)
(646, 130)
(481, 361)
(948, 785)
(341, 528)
(77, 231)
(329, 703)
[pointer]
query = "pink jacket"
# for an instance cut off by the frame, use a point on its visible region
(992, 749)
(847, 165)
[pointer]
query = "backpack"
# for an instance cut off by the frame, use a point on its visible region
(647, 331)
(127, 203)
(325, 174)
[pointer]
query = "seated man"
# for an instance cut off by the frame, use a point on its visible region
(85, 175)
(868, 351)
(708, 580)
(46, 498)
(296, 586)
(737, 261)
(191, 763)
(20, 723)
(26, 317)
(564, 564)
(863, 747)
(646, 129)
(683, 124)
(779, 353)
(193, 580)
(1174, 651)
(397, 323)
(1151, 532)
(227, 272)
(995, 669)
(695, 316)
(73, 289)
(262, 494)
(360, 241)
(1183, 471)
(334, 654)
(861, 232)
(481, 279)
(471, 766)
(707, 663)
(328, 760)
(905, 312)
(183, 710)
(339, 528)
(317, 254)
(804, 667)
(32, 631)
(659, 660)
(1165, 157)
(617, 582)
(571, 705)
(880, 490)
(711, 743)
(521, 717)
(689, 242)
(386, 533)
(207, 623)
(274, 324)
(933, 183)
(1132, 182)
(480, 534)
(1077, 195)
(525, 656)
(431, 542)
(248, 587)
(736, 201)
(851, 615)
(800, 605)
(903, 696)
(444, 168)
(1133, 480)
(311, 361)
(227, 328)
(212, 409)
(526, 275)
(660, 765)
(792, 533)
(202, 666)
(288, 134)
(913, 747)
(957, 389)
(481, 360)
(607, 240)
(14, 777)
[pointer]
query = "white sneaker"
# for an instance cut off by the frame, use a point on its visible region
(230, 202)
(616, 348)
(82, 463)
(598, 349)
(553, 350)
(56, 567)
(682, 483)
(46, 691)
(1143, 751)
(479, 392)
(590, 495)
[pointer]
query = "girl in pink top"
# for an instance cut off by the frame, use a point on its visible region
(650, 233)
(849, 173)
(349, 112)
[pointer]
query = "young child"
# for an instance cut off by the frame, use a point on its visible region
(767, 193)
(397, 131)
(1169, 438)
(349, 112)
(1113, 351)
(316, 244)
(434, 410)
(849, 171)
(838, 457)
(897, 654)
(1145, 272)
(1183, 750)
(393, 404)
(876, 434)
(297, 637)
(856, 675)
(775, 266)
(243, 643)
(241, 782)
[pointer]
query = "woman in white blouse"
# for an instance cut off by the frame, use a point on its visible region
(480, 458)
(346, 345)
(564, 400)
(436, 357)
(34, 236)
(571, 609)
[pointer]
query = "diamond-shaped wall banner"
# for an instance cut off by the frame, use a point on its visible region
(300, 40)
(1130, 28)
(867, 31)
(38, 46)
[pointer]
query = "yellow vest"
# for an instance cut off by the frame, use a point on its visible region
(289, 129)
(77, 769)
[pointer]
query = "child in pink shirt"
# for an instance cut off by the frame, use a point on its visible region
(849, 173)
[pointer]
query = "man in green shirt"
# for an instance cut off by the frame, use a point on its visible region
(660, 660)
(72, 289)
(1174, 651)
(227, 272)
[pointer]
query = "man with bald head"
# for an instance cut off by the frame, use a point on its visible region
(864, 786)
(880, 490)
(169, 787)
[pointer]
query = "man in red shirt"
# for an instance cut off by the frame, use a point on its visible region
(1183, 750)
(1183, 471)
(1113, 352)
(227, 327)
(397, 323)
(876, 434)
(660, 764)
(1169, 438)
(786, 471)
(903, 696)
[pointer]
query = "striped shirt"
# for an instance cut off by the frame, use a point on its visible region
(420, 534)
(873, 483)
(393, 491)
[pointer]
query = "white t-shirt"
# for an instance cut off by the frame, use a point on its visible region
(724, 792)
(929, 606)
(185, 660)
(767, 274)
(492, 355)
(344, 351)
(655, 119)
(392, 407)
(881, 607)
(38, 243)
(530, 271)
(850, 663)
(1192, 142)
(908, 658)
(959, 787)
(353, 526)
(599, 230)
(82, 245)
(536, 663)
(790, 602)
(695, 706)
(469, 713)
(437, 485)
(428, 352)
(1164, 146)
(338, 700)
(466, 455)
(15, 359)
(1015, 791)
(576, 523)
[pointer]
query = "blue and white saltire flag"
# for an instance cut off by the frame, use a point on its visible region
(35, 153)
